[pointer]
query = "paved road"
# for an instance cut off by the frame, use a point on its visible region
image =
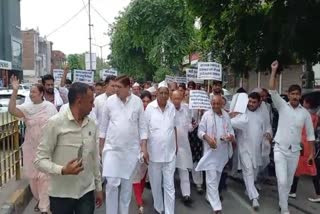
(235, 202)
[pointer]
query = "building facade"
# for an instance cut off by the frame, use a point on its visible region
(58, 59)
(37, 55)
(10, 40)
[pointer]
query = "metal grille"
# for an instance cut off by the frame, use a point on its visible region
(10, 149)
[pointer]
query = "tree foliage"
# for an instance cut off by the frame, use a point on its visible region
(77, 61)
(250, 34)
(150, 36)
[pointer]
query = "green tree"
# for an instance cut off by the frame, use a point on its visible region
(150, 36)
(76, 61)
(249, 35)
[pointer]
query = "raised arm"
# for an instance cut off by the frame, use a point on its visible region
(64, 76)
(272, 81)
(13, 99)
(276, 98)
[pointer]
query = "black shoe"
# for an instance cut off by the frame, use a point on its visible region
(200, 190)
(186, 200)
(147, 185)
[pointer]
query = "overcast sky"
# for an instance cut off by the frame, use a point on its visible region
(48, 15)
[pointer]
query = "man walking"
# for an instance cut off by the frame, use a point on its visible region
(292, 118)
(216, 131)
(162, 148)
(68, 152)
(123, 118)
(184, 156)
(250, 128)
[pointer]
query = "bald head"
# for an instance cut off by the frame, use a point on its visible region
(217, 104)
(177, 98)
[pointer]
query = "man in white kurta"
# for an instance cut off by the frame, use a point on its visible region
(292, 118)
(161, 122)
(250, 128)
(123, 117)
(184, 157)
(216, 131)
(100, 100)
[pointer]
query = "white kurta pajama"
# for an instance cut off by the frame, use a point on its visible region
(250, 128)
(266, 111)
(184, 156)
(162, 154)
(214, 160)
(125, 125)
(99, 103)
(287, 147)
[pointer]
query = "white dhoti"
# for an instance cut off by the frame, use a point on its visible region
(249, 172)
(162, 173)
(286, 164)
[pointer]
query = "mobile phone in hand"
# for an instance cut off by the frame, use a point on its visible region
(80, 151)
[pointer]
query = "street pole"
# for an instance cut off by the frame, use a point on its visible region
(101, 57)
(90, 38)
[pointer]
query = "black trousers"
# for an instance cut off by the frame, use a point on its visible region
(315, 180)
(83, 205)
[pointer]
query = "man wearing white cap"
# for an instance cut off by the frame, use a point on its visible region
(153, 92)
(162, 148)
(136, 89)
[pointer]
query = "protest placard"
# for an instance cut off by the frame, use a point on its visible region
(209, 71)
(57, 75)
(108, 72)
(199, 100)
(239, 103)
(170, 79)
(181, 80)
(83, 76)
(192, 75)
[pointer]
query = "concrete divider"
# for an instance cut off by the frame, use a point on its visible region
(18, 199)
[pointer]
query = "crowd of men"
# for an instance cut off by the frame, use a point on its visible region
(123, 134)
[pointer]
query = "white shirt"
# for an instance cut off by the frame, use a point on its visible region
(290, 125)
(251, 127)
(215, 126)
(126, 128)
(184, 155)
(161, 134)
(99, 103)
